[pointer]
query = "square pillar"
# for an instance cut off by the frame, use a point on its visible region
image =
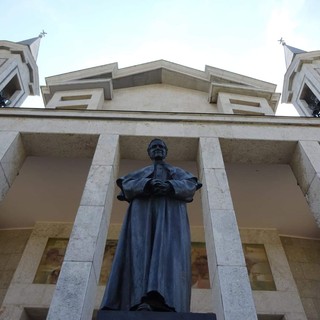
(75, 293)
(305, 165)
(232, 295)
(12, 156)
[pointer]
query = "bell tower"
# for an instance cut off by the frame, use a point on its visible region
(301, 85)
(19, 76)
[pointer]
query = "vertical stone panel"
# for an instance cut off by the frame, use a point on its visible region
(236, 293)
(305, 163)
(74, 291)
(83, 238)
(28, 265)
(306, 166)
(77, 284)
(4, 184)
(12, 155)
(217, 187)
(304, 259)
(98, 181)
(210, 155)
(313, 197)
(232, 294)
(12, 244)
(12, 312)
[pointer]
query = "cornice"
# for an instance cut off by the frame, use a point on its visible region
(110, 115)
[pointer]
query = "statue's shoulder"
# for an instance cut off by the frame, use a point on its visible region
(179, 173)
(140, 173)
(176, 171)
(143, 172)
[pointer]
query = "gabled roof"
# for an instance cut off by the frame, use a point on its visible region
(112, 71)
(212, 80)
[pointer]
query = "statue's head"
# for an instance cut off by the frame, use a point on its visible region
(157, 149)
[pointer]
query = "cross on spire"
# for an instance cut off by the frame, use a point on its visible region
(281, 41)
(42, 34)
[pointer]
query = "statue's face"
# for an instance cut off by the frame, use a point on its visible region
(157, 150)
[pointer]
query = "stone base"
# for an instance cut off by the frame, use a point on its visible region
(152, 315)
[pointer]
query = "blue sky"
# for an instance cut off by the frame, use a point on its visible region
(238, 36)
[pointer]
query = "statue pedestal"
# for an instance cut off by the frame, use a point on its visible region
(152, 315)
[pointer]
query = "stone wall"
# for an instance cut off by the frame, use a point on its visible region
(12, 244)
(25, 299)
(160, 98)
(284, 301)
(304, 259)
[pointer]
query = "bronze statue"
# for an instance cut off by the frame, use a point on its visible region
(152, 266)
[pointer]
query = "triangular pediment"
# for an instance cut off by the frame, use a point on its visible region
(161, 72)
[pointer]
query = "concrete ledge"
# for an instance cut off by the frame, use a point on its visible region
(146, 315)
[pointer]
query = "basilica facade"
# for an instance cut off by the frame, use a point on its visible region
(254, 223)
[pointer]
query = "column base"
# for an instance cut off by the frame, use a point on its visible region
(152, 315)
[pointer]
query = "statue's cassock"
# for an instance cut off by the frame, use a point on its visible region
(153, 251)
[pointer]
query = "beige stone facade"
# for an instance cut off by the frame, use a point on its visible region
(260, 175)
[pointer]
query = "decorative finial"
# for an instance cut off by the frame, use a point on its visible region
(281, 41)
(42, 34)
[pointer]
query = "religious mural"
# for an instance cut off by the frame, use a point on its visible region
(109, 252)
(258, 266)
(199, 265)
(51, 261)
(200, 271)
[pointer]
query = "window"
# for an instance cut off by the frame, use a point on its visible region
(312, 101)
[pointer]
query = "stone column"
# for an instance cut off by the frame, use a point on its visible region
(12, 156)
(232, 295)
(306, 166)
(75, 293)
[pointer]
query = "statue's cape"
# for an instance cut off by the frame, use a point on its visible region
(175, 173)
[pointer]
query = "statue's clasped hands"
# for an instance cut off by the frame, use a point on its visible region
(159, 187)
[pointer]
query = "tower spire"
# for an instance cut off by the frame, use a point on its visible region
(14, 88)
(289, 52)
(34, 44)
